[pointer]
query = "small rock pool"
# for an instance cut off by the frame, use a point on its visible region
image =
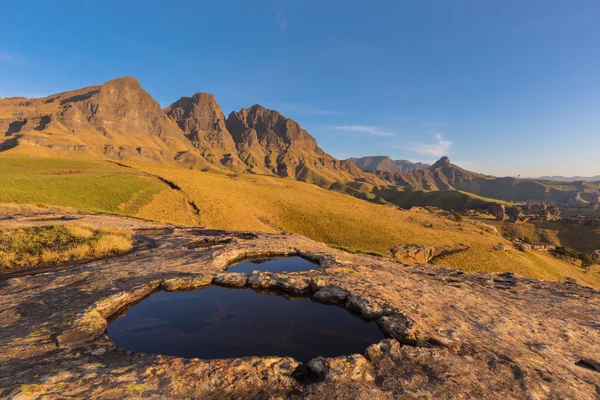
(275, 265)
(219, 322)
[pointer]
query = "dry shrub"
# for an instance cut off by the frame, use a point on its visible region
(81, 231)
(110, 244)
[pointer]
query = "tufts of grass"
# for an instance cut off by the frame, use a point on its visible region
(53, 245)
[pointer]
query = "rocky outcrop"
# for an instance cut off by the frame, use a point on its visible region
(415, 253)
(498, 211)
(451, 334)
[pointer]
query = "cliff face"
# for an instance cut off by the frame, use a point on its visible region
(268, 142)
(116, 120)
(203, 122)
(120, 120)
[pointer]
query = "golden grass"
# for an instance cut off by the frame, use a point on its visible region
(59, 244)
(110, 244)
(169, 206)
(12, 209)
(261, 203)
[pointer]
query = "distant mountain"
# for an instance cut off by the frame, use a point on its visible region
(571, 179)
(385, 163)
(445, 176)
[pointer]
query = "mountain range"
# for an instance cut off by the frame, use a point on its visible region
(386, 164)
(120, 121)
(571, 178)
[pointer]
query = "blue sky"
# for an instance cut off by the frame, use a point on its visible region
(507, 87)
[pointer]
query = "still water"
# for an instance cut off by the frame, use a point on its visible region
(222, 322)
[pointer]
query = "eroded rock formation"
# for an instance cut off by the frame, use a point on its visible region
(453, 334)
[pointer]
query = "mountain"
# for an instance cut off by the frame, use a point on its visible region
(116, 120)
(445, 176)
(269, 143)
(203, 122)
(120, 121)
(385, 163)
(571, 179)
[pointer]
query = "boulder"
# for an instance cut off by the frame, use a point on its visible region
(413, 253)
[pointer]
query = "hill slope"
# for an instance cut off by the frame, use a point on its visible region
(262, 203)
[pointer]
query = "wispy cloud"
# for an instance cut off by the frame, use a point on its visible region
(438, 148)
(282, 20)
(371, 130)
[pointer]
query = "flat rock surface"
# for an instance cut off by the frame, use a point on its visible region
(453, 334)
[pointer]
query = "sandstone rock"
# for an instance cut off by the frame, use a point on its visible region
(397, 327)
(368, 308)
(499, 211)
(524, 247)
(232, 279)
(413, 253)
(420, 254)
(187, 283)
(267, 280)
(500, 247)
(331, 295)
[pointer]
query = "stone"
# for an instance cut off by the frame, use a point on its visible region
(486, 335)
(397, 327)
(331, 295)
(498, 211)
(187, 283)
(368, 308)
(232, 279)
(500, 247)
(413, 253)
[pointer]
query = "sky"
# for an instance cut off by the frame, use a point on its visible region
(504, 87)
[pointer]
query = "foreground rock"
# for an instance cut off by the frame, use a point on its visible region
(452, 334)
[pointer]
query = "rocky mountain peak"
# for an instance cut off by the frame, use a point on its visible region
(201, 119)
(442, 162)
(271, 129)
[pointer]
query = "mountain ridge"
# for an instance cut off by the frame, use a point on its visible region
(119, 120)
(385, 163)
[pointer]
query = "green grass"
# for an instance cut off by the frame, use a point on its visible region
(86, 186)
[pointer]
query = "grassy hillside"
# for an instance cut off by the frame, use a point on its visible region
(446, 199)
(267, 203)
(263, 203)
